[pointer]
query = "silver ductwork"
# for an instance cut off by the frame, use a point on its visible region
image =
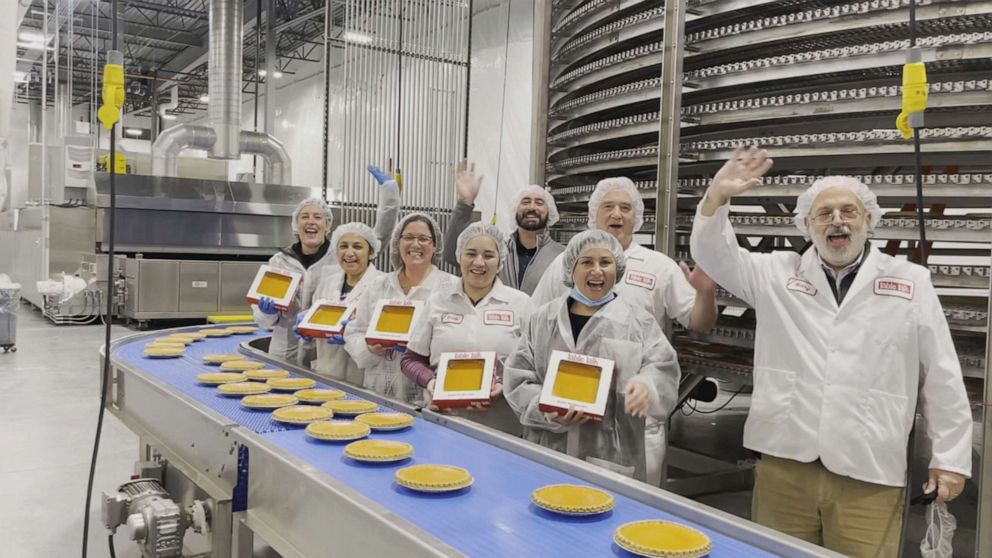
(278, 168)
(224, 78)
(223, 137)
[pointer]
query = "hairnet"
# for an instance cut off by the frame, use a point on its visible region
(804, 203)
(587, 239)
(362, 230)
(480, 228)
(312, 200)
(535, 190)
(607, 185)
(394, 242)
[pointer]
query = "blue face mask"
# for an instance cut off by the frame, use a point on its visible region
(583, 299)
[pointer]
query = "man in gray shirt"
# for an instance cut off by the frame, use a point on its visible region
(530, 248)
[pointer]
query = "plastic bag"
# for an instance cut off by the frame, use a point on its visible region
(938, 542)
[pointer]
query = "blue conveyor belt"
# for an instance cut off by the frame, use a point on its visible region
(494, 517)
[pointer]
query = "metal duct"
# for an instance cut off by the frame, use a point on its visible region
(174, 140)
(278, 168)
(226, 40)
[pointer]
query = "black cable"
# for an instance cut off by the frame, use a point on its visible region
(918, 158)
(468, 77)
(720, 408)
(105, 374)
(110, 542)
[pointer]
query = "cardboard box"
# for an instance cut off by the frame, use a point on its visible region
(324, 318)
(464, 378)
(393, 321)
(277, 284)
(578, 381)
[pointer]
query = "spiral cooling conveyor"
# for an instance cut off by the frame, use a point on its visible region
(818, 83)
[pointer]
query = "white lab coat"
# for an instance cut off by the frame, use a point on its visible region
(453, 324)
(382, 374)
(620, 332)
(284, 343)
(334, 361)
(841, 383)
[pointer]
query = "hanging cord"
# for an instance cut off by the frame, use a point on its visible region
(911, 119)
(109, 114)
(502, 104)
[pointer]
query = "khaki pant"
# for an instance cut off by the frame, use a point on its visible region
(809, 502)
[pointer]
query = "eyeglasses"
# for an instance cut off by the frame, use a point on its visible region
(412, 238)
(826, 216)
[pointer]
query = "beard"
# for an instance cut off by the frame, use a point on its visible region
(841, 255)
(540, 224)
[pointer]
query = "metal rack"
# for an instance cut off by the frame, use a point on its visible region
(818, 82)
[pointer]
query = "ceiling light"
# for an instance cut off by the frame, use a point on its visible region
(262, 73)
(354, 37)
(277, 74)
(31, 36)
(204, 98)
(34, 46)
(133, 132)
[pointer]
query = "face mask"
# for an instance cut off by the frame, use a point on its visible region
(583, 299)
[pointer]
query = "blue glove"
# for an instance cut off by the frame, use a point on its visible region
(380, 176)
(399, 348)
(267, 306)
(296, 329)
(337, 338)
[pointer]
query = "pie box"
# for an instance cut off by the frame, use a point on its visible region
(277, 284)
(578, 381)
(464, 378)
(393, 321)
(324, 318)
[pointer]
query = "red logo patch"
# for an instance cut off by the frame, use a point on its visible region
(498, 317)
(800, 286)
(449, 318)
(643, 280)
(889, 286)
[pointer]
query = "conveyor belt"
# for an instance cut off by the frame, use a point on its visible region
(492, 518)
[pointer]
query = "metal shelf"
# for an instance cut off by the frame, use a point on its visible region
(615, 97)
(607, 71)
(882, 233)
(853, 149)
(635, 26)
(595, 12)
(648, 128)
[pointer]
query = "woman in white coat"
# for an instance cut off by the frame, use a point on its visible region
(414, 249)
(593, 320)
(356, 246)
(477, 313)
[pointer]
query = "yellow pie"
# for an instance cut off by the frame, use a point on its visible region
(662, 539)
(164, 352)
(221, 359)
(216, 332)
(340, 430)
(269, 401)
(242, 330)
(386, 421)
(194, 335)
(351, 406)
(571, 499)
(378, 451)
(243, 388)
(319, 396)
(220, 378)
(434, 478)
(266, 374)
(242, 365)
(167, 344)
(301, 414)
(172, 340)
(291, 384)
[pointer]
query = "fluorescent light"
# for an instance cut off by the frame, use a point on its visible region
(277, 74)
(354, 37)
(204, 98)
(133, 132)
(262, 73)
(31, 36)
(168, 116)
(35, 46)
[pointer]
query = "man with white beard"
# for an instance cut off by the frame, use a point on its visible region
(847, 339)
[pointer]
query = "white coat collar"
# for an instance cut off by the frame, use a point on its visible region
(810, 268)
(498, 293)
(617, 310)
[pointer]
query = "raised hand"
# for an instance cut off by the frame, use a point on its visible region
(740, 173)
(467, 184)
(380, 175)
(698, 279)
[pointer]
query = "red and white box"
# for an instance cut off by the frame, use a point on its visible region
(463, 379)
(278, 284)
(324, 319)
(578, 381)
(393, 322)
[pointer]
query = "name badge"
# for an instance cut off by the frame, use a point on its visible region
(449, 318)
(800, 286)
(888, 286)
(498, 317)
(643, 280)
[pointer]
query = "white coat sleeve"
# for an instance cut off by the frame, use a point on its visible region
(268, 321)
(421, 336)
(714, 247)
(943, 398)
(550, 286)
(354, 333)
(679, 295)
(660, 371)
(522, 385)
(387, 212)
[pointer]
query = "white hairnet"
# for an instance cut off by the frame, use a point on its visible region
(362, 230)
(480, 228)
(607, 185)
(585, 239)
(394, 242)
(804, 203)
(312, 200)
(535, 190)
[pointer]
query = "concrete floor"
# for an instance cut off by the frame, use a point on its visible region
(49, 418)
